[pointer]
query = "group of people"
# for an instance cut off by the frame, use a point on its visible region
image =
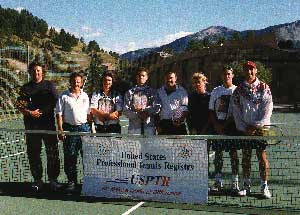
(169, 110)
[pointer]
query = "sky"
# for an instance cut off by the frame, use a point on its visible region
(127, 25)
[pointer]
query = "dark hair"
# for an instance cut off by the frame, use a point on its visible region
(170, 72)
(227, 67)
(74, 75)
(109, 74)
(142, 69)
(34, 64)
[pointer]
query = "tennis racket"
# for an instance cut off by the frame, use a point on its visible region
(221, 107)
(140, 102)
(222, 114)
(269, 131)
(177, 115)
(107, 105)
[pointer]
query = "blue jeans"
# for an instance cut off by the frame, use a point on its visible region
(72, 145)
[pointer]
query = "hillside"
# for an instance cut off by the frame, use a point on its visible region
(24, 35)
(60, 51)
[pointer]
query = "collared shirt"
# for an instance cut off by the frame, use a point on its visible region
(252, 105)
(74, 110)
(107, 103)
(172, 102)
(145, 98)
(219, 101)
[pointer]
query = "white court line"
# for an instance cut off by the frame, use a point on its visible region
(19, 153)
(133, 208)
(13, 141)
(7, 156)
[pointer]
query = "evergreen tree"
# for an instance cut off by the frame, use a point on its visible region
(236, 36)
(65, 40)
(194, 45)
(52, 33)
(93, 46)
(264, 73)
(285, 44)
(220, 40)
(95, 72)
(206, 42)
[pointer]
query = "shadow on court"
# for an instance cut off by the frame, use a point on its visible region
(23, 189)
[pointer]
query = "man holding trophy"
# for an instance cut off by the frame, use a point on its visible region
(141, 104)
(106, 106)
(174, 101)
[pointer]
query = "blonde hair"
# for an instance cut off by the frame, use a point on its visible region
(198, 76)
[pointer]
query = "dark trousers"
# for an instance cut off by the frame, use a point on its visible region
(115, 128)
(72, 146)
(166, 127)
(34, 147)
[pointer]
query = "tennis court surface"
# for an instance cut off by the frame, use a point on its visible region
(17, 198)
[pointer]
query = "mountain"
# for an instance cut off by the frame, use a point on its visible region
(287, 31)
(180, 44)
(132, 55)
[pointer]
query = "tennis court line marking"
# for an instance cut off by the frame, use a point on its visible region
(13, 141)
(7, 156)
(133, 208)
(19, 153)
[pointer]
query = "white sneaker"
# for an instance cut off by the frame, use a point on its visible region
(246, 190)
(266, 192)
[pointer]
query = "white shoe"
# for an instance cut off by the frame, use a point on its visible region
(266, 192)
(246, 190)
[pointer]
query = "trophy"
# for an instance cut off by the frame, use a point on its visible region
(140, 102)
(106, 105)
(176, 116)
(24, 102)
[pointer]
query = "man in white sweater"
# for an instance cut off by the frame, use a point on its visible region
(252, 110)
(174, 106)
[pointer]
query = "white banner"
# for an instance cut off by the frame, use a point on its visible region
(156, 168)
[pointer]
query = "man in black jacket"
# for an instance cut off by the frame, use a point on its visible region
(36, 102)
